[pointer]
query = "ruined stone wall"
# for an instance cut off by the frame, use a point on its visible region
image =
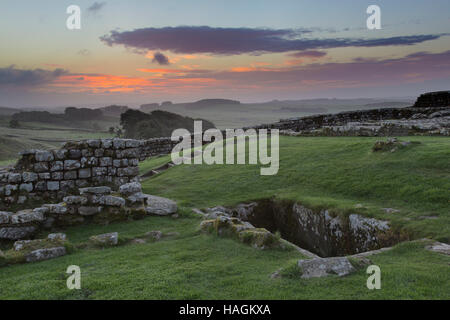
(342, 118)
(44, 175)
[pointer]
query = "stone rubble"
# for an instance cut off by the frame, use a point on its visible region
(96, 204)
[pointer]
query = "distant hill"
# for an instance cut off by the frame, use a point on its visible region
(207, 103)
(113, 110)
(140, 125)
(5, 111)
(388, 104)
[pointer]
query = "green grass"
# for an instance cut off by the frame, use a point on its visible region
(333, 173)
(37, 135)
(198, 266)
(336, 172)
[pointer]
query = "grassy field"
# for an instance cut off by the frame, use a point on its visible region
(38, 135)
(334, 172)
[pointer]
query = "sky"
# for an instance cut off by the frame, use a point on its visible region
(138, 51)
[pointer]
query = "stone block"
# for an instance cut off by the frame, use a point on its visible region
(84, 173)
(52, 185)
(56, 166)
(29, 177)
(44, 156)
(71, 164)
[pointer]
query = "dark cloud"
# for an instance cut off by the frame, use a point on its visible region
(416, 67)
(308, 54)
(160, 59)
(230, 41)
(96, 7)
(11, 76)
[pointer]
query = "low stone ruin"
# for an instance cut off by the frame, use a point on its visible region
(317, 231)
(429, 116)
(92, 204)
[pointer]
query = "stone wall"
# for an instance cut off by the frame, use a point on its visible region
(43, 175)
(430, 115)
(91, 205)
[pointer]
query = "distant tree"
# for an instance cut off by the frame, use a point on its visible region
(111, 130)
(14, 123)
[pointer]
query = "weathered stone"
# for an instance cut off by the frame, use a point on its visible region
(132, 143)
(16, 233)
(105, 162)
(322, 267)
(112, 171)
(28, 187)
(19, 244)
(53, 185)
(60, 154)
(89, 211)
(58, 175)
(42, 210)
(105, 240)
(259, 238)
(99, 152)
(96, 190)
(70, 175)
(84, 173)
(10, 188)
(88, 162)
(82, 183)
(29, 177)
(87, 153)
(40, 167)
(130, 188)
(40, 186)
(112, 201)
(56, 166)
(439, 247)
(59, 208)
(128, 172)
(94, 143)
(137, 198)
(99, 171)
(4, 217)
(75, 200)
(118, 163)
(45, 176)
(14, 178)
(44, 156)
(74, 154)
(57, 236)
(26, 216)
(119, 144)
(160, 206)
(45, 254)
(71, 164)
(106, 143)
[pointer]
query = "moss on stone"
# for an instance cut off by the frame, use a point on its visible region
(259, 238)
